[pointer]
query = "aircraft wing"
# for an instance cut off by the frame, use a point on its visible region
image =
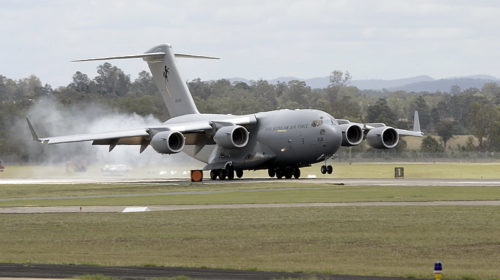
(140, 136)
(403, 132)
(93, 136)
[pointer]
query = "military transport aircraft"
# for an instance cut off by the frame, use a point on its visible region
(281, 141)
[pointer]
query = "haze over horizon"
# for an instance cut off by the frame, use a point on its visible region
(385, 39)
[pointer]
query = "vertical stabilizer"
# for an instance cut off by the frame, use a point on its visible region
(173, 89)
(416, 122)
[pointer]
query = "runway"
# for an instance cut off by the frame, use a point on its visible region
(138, 272)
(184, 181)
(123, 208)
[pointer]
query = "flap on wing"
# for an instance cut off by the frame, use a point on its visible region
(94, 136)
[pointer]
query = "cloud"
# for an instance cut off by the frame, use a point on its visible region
(256, 39)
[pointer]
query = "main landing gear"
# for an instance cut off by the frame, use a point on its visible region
(287, 172)
(228, 173)
(326, 169)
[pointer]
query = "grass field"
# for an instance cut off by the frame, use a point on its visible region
(399, 241)
(458, 170)
(285, 192)
(396, 241)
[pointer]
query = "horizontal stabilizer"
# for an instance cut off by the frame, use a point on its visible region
(155, 55)
(181, 55)
(158, 55)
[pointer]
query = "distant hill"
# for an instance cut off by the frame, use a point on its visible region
(389, 84)
(415, 84)
(444, 85)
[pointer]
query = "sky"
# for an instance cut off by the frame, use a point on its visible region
(378, 39)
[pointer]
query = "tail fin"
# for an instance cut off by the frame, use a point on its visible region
(416, 122)
(172, 88)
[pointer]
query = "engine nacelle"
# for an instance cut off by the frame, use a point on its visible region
(168, 142)
(383, 137)
(352, 134)
(231, 137)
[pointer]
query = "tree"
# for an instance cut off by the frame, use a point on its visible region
(454, 90)
(81, 82)
(481, 119)
(380, 112)
(144, 85)
(446, 130)
(339, 78)
(111, 80)
(29, 87)
(493, 141)
(430, 145)
(492, 92)
(298, 92)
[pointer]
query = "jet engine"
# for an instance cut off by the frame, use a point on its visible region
(231, 137)
(352, 134)
(168, 142)
(383, 137)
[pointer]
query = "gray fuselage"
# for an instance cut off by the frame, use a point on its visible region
(278, 138)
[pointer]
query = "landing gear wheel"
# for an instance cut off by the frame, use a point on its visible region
(222, 174)
(239, 173)
(288, 172)
(271, 172)
(296, 173)
(279, 174)
(329, 169)
(323, 169)
(213, 174)
(230, 174)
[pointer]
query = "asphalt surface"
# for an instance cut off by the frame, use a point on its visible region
(336, 181)
(138, 272)
(114, 209)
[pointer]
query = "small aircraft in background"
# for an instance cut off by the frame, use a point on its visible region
(281, 141)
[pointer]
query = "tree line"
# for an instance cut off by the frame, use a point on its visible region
(470, 111)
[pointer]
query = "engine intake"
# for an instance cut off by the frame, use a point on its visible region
(352, 134)
(168, 142)
(232, 137)
(383, 138)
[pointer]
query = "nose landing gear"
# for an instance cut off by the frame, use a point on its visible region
(326, 169)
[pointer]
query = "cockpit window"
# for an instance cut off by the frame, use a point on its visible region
(316, 123)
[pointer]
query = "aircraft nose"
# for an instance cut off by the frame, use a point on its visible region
(334, 138)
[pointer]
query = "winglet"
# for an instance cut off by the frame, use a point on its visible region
(416, 122)
(33, 133)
